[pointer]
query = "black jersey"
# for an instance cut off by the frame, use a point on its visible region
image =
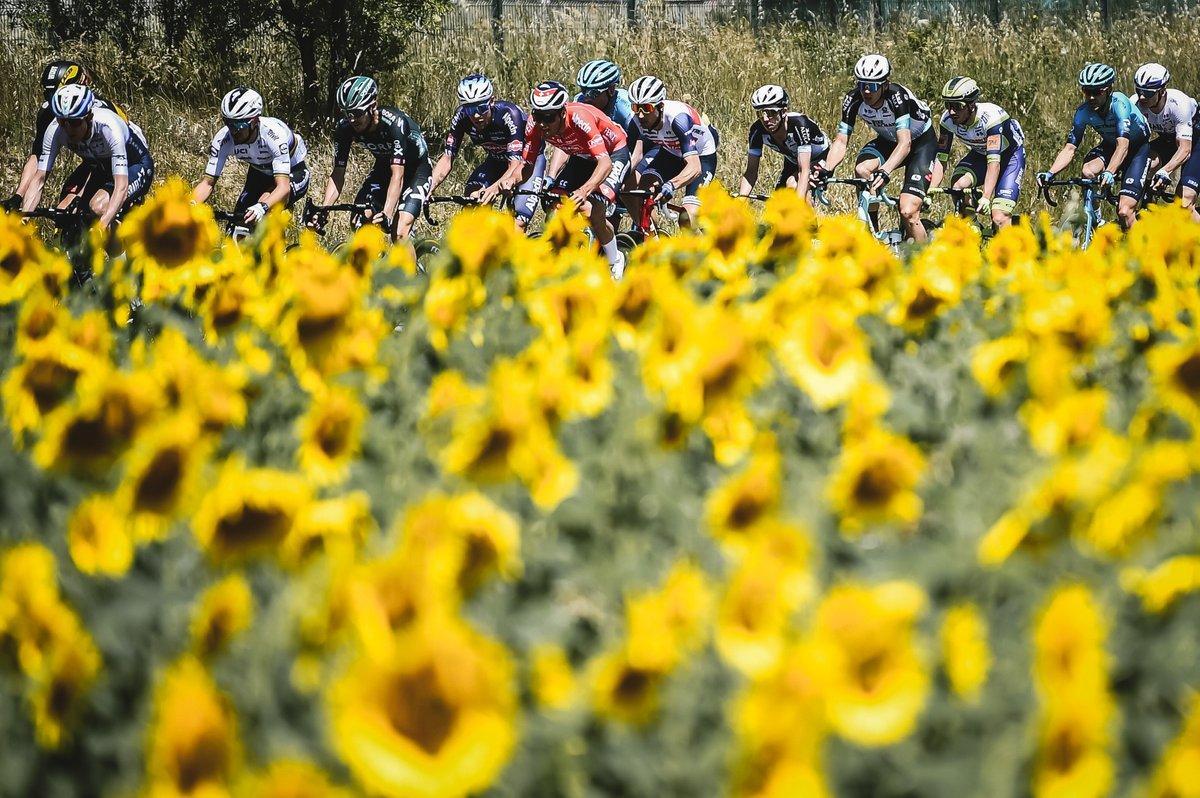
(900, 109)
(396, 140)
(801, 135)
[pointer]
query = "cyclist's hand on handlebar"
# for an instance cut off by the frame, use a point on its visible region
(820, 175)
(256, 212)
(1162, 180)
(579, 197)
(1044, 177)
(879, 179)
(486, 195)
(13, 203)
(1106, 178)
(983, 206)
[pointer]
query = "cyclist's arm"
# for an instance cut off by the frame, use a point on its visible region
(1074, 139)
(750, 176)
(441, 170)
(283, 187)
(203, 189)
(395, 189)
(991, 175)
(944, 144)
(837, 150)
(217, 152)
(51, 140)
(33, 192)
(1064, 158)
(27, 173)
(558, 161)
(603, 167)
(333, 186)
(1182, 152)
(1118, 156)
(690, 171)
(903, 147)
(804, 161)
(116, 198)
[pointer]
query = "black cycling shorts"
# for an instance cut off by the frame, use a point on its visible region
(418, 182)
(916, 167)
(259, 183)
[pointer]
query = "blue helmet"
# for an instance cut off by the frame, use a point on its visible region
(598, 74)
(1097, 76)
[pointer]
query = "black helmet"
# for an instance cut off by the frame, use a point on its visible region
(63, 73)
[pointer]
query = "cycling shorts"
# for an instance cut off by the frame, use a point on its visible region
(664, 165)
(418, 182)
(791, 172)
(1008, 184)
(578, 170)
(259, 183)
(91, 177)
(489, 171)
(1162, 149)
(916, 166)
(1132, 173)
(1189, 176)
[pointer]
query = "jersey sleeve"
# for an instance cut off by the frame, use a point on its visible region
(458, 126)
(341, 144)
(1123, 115)
(44, 118)
(512, 123)
(996, 133)
(281, 151)
(633, 133)
(903, 105)
(804, 136)
(945, 137)
(119, 157)
(1078, 127)
(685, 133)
(533, 142)
(218, 151)
(754, 143)
(850, 104)
(51, 140)
(1183, 126)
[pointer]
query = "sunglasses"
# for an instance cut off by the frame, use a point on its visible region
(72, 123)
(591, 94)
(956, 106)
(1146, 94)
(645, 108)
(545, 117)
(1092, 94)
(238, 125)
(771, 113)
(870, 87)
(355, 113)
(477, 109)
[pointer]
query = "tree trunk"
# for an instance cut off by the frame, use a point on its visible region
(306, 47)
(60, 20)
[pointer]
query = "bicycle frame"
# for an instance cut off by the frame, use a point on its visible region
(1093, 196)
(867, 202)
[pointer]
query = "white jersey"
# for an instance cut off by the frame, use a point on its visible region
(276, 150)
(111, 139)
(681, 131)
(1175, 118)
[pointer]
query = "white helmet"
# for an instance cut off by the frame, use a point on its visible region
(241, 104)
(73, 101)
(599, 73)
(549, 95)
(647, 90)
(1097, 76)
(960, 89)
(475, 89)
(1151, 77)
(872, 68)
(769, 96)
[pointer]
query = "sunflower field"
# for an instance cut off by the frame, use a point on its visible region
(779, 514)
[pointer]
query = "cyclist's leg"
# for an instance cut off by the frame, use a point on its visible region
(788, 175)
(691, 202)
(1133, 183)
(485, 173)
(372, 192)
(916, 183)
(1189, 177)
(76, 185)
(301, 178)
(1008, 188)
(526, 205)
(416, 191)
(258, 185)
(970, 171)
(1094, 161)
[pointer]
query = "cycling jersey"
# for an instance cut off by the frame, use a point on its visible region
(111, 141)
(395, 140)
(276, 151)
(502, 137)
(900, 110)
(45, 116)
(1175, 118)
(681, 131)
(620, 110)
(1123, 119)
(586, 132)
(801, 135)
(990, 120)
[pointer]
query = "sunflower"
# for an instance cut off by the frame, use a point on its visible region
(249, 512)
(1073, 741)
(43, 380)
(1069, 643)
(330, 435)
(41, 315)
(161, 475)
(58, 689)
(336, 526)
(1160, 587)
(234, 297)
(435, 718)
(1067, 422)
(1175, 776)
(365, 247)
(479, 240)
(1013, 250)
(322, 296)
(966, 657)
(875, 682)
(875, 480)
(98, 538)
(21, 258)
(486, 539)
(291, 778)
(553, 679)
(189, 381)
(622, 691)
(448, 304)
(28, 577)
(994, 363)
(224, 611)
(825, 354)
(89, 435)
(168, 235)
(742, 501)
(92, 333)
(729, 230)
(754, 615)
(1175, 369)
(192, 745)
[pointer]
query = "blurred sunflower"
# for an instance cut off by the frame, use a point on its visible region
(553, 680)
(966, 657)
(1073, 739)
(224, 611)
(754, 616)
(994, 363)
(447, 305)
(162, 472)
(621, 691)
(743, 500)
(337, 527)
(875, 480)
(1160, 587)
(436, 718)
(1175, 776)
(330, 434)
(168, 235)
(825, 353)
(58, 689)
(486, 539)
(192, 745)
(1069, 643)
(479, 240)
(21, 258)
(42, 381)
(249, 512)
(41, 315)
(1175, 370)
(189, 380)
(98, 538)
(291, 778)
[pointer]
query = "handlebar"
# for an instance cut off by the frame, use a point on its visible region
(1081, 182)
(859, 184)
(61, 216)
(461, 201)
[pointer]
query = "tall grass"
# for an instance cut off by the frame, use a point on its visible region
(1028, 65)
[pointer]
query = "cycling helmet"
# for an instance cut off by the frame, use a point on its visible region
(241, 104)
(960, 90)
(357, 93)
(598, 74)
(647, 90)
(54, 74)
(872, 68)
(72, 102)
(549, 95)
(475, 89)
(769, 96)
(1097, 76)
(1151, 77)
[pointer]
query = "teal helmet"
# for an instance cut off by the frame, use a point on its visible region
(357, 93)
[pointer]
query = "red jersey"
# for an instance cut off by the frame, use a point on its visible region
(587, 132)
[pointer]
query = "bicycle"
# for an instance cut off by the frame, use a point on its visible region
(964, 202)
(644, 226)
(1092, 200)
(868, 209)
(71, 226)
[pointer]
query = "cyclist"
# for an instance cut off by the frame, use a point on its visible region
(995, 159)
(55, 75)
(904, 137)
(680, 146)
(117, 168)
(797, 138)
(400, 180)
(1169, 114)
(1189, 179)
(1125, 140)
(498, 127)
(598, 157)
(276, 172)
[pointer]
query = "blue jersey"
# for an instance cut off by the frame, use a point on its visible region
(1123, 120)
(621, 112)
(502, 137)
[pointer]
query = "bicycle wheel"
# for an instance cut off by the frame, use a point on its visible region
(426, 249)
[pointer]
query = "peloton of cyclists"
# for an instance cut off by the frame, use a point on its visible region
(797, 138)
(1169, 113)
